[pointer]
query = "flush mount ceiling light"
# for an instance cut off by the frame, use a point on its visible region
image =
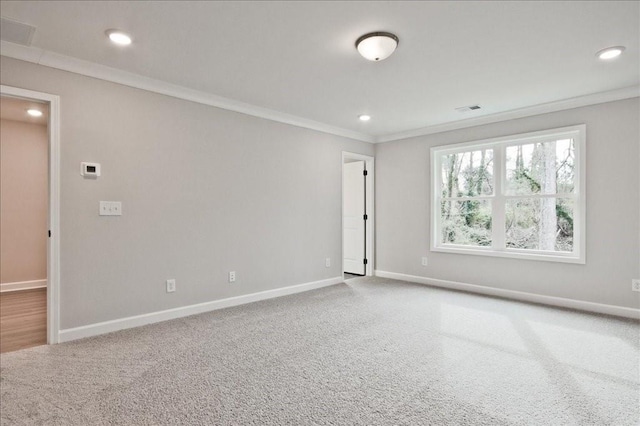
(34, 112)
(377, 46)
(118, 37)
(364, 117)
(610, 52)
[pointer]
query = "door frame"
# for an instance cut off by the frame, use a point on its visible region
(53, 243)
(370, 204)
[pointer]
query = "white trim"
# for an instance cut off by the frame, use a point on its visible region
(53, 248)
(91, 69)
(600, 308)
(580, 101)
(17, 51)
(184, 311)
(499, 198)
(23, 285)
(102, 72)
(371, 193)
(562, 257)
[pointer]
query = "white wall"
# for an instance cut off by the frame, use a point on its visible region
(204, 191)
(613, 209)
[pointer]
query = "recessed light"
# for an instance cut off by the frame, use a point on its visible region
(610, 52)
(34, 112)
(364, 117)
(118, 37)
(377, 46)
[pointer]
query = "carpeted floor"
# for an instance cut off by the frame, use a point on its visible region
(370, 352)
(348, 276)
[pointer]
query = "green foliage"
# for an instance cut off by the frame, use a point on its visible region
(531, 223)
(467, 222)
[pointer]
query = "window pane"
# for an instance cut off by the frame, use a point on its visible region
(541, 168)
(466, 222)
(467, 174)
(540, 224)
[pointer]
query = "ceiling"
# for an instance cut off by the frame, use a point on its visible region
(16, 109)
(299, 58)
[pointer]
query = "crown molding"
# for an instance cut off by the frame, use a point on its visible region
(103, 72)
(91, 69)
(580, 101)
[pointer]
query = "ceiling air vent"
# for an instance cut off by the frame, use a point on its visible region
(16, 32)
(468, 108)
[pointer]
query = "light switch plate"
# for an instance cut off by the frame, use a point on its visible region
(110, 208)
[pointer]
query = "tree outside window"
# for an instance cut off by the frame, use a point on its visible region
(517, 197)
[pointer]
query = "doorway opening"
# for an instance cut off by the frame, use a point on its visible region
(357, 215)
(29, 224)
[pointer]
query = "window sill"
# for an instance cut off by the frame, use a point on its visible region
(512, 254)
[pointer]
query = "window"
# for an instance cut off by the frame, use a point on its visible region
(519, 196)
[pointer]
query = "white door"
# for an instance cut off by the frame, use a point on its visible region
(353, 211)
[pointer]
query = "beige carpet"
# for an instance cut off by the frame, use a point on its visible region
(370, 352)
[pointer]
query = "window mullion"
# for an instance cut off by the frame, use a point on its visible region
(498, 207)
(464, 226)
(437, 200)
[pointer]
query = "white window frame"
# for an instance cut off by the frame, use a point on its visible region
(499, 145)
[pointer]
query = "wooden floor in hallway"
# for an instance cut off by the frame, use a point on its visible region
(23, 319)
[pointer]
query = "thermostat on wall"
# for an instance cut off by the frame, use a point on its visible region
(90, 170)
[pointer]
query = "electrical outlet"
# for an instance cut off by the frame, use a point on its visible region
(635, 285)
(327, 262)
(232, 276)
(171, 286)
(425, 261)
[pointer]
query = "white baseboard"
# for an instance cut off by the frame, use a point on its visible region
(184, 311)
(517, 295)
(23, 285)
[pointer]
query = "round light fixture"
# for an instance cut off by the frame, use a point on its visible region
(34, 112)
(364, 117)
(118, 37)
(610, 52)
(377, 46)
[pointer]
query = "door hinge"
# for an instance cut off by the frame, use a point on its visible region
(364, 172)
(49, 233)
(365, 261)
(365, 217)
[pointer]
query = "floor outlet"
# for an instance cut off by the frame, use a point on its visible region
(232, 276)
(327, 262)
(635, 285)
(425, 261)
(171, 286)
